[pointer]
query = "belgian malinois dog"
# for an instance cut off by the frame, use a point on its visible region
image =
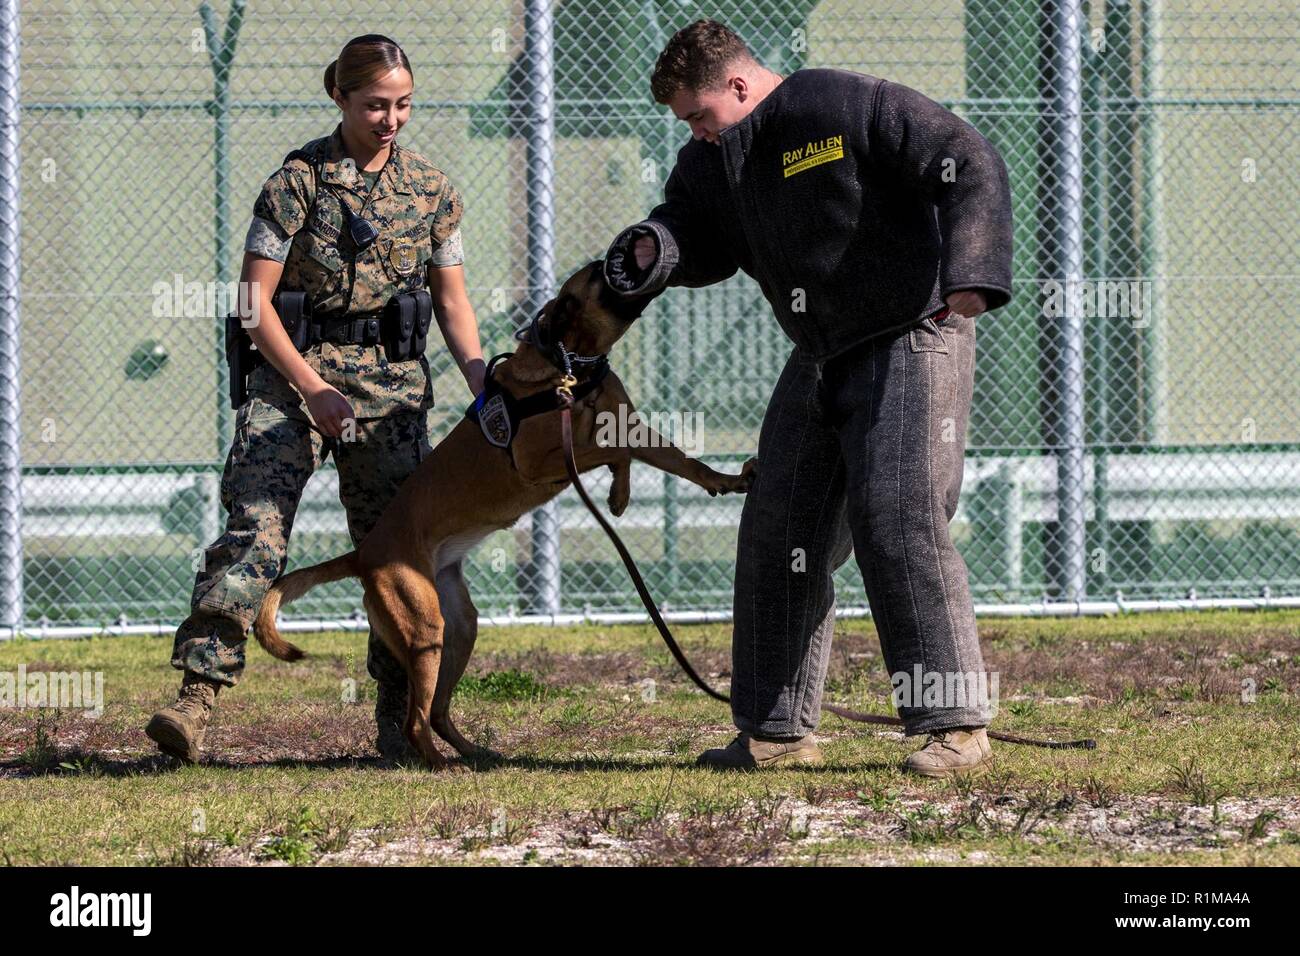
(469, 486)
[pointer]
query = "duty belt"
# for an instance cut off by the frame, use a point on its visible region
(357, 328)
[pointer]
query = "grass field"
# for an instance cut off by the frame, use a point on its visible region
(600, 770)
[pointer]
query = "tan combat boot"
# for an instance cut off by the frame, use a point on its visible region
(950, 752)
(747, 752)
(178, 730)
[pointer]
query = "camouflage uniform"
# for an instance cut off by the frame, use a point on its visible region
(300, 222)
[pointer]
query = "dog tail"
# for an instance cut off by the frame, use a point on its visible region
(289, 588)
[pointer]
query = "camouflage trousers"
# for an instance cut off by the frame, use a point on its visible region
(275, 450)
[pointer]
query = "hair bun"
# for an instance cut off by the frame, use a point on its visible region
(362, 61)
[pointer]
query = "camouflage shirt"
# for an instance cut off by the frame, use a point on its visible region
(417, 212)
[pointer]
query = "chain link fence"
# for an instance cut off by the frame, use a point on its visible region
(1134, 429)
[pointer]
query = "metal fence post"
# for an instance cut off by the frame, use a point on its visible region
(11, 475)
(1065, 211)
(539, 30)
(221, 52)
(1154, 350)
(1100, 365)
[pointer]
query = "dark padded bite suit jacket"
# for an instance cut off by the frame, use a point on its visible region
(856, 203)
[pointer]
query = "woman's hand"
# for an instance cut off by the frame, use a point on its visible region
(474, 376)
(329, 410)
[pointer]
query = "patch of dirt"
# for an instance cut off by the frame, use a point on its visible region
(565, 670)
(1206, 667)
(1184, 666)
(852, 651)
(116, 743)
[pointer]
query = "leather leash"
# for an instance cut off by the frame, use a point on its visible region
(564, 397)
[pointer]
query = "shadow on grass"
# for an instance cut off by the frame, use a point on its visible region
(87, 764)
(613, 764)
(82, 763)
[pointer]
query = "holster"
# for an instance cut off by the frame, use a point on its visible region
(405, 327)
(242, 356)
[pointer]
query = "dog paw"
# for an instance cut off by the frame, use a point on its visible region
(749, 474)
(620, 490)
(618, 503)
(736, 484)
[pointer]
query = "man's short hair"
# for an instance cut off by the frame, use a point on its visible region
(696, 59)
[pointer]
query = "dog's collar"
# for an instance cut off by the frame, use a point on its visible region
(499, 413)
(556, 352)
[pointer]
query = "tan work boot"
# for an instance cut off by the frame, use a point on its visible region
(747, 752)
(178, 729)
(950, 752)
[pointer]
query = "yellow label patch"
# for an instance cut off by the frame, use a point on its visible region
(814, 154)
